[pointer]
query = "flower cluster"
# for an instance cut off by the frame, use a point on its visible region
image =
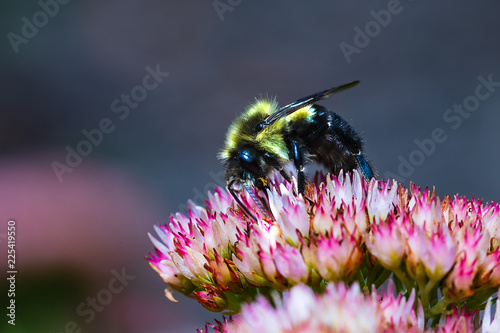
(342, 230)
(343, 309)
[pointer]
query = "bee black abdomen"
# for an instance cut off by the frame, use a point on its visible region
(333, 157)
(335, 144)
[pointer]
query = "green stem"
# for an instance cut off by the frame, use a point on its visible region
(477, 301)
(372, 276)
(361, 280)
(234, 301)
(382, 278)
(403, 278)
(425, 293)
(439, 308)
(400, 288)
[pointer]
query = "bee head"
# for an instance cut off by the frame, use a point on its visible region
(247, 165)
(250, 145)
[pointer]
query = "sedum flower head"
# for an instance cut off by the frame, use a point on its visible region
(349, 310)
(445, 253)
(338, 309)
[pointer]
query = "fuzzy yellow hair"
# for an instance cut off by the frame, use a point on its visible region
(242, 131)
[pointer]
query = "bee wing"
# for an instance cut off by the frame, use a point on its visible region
(292, 107)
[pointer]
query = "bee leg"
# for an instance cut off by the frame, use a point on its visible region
(270, 160)
(364, 167)
(285, 175)
(354, 148)
(288, 179)
(298, 160)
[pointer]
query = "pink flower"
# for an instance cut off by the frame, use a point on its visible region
(385, 242)
(430, 256)
(224, 273)
(491, 221)
(459, 283)
(425, 209)
(397, 311)
(342, 230)
(335, 259)
(489, 270)
(349, 310)
(381, 199)
(339, 309)
(490, 325)
(290, 212)
(457, 322)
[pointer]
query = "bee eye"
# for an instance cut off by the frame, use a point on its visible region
(247, 159)
(259, 127)
(246, 156)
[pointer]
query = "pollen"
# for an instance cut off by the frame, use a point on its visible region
(263, 180)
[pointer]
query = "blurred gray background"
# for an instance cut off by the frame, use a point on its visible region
(69, 71)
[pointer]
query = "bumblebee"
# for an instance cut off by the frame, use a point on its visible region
(266, 138)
